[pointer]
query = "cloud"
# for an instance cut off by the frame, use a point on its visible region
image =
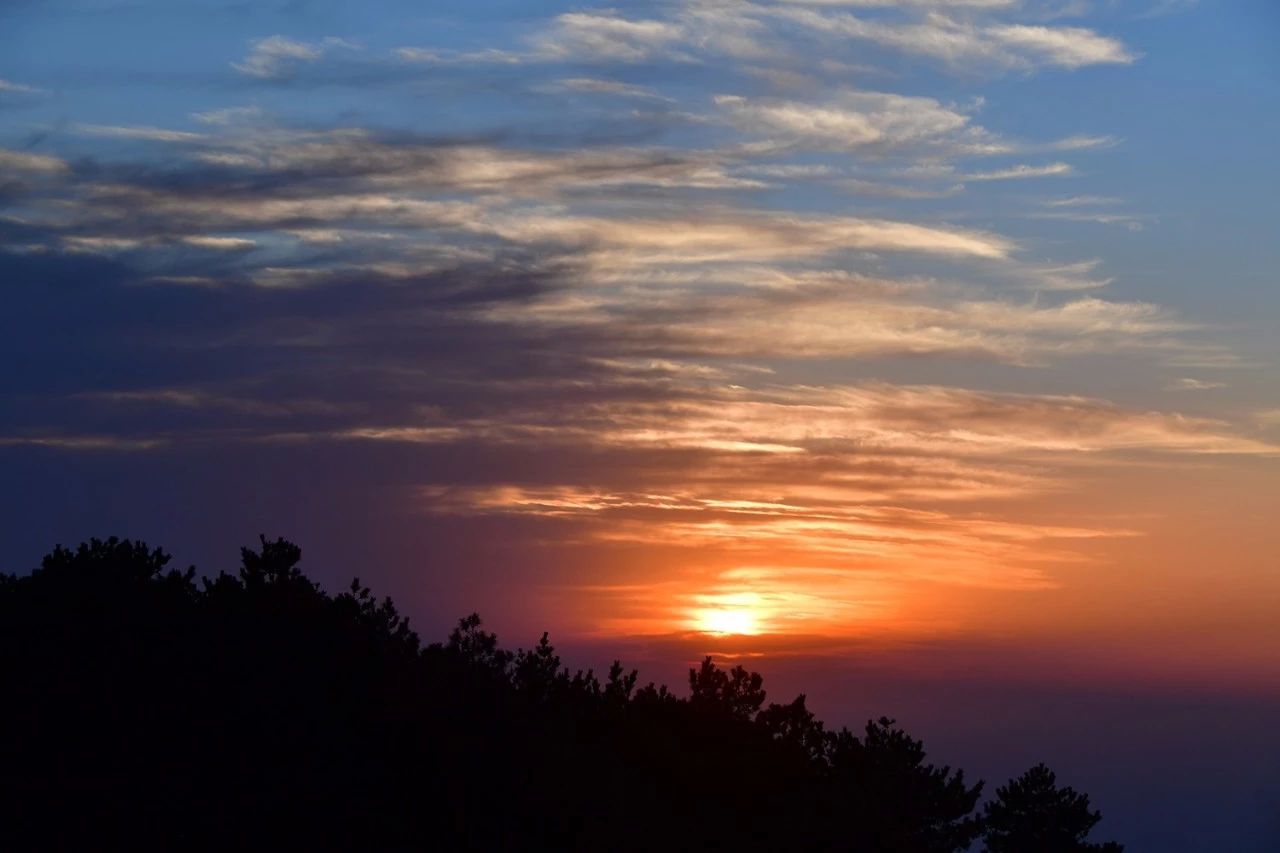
(1131, 221)
(1069, 47)
(357, 155)
(824, 548)
(1076, 209)
(97, 244)
(609, 38)
(1268, 418)
(713, 459)
(921, 419)
(81, 442)
(961, 43)
(229, 115)
(861, 486)
(488, 56)
(23, 161)
(18, 88)
(724, 236)
(352, 179)
(652, 279)
(1021, 171)
(151, 134)
(226, 244)
(875, 188)
(957, 4)
(1082, 201)
(1081, 142)
(693, 32)
(595, 86)
(1077, 276)
(849, 121)
(277, 57)
(1187, 383)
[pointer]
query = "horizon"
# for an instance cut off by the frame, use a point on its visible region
(917, 353)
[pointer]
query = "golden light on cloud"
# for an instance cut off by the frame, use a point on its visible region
(890, 504)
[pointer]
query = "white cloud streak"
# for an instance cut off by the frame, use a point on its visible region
(277, 57)
(962, 43)
(1021, 171)
(23, 161)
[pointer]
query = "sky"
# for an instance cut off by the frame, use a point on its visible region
(920, 353)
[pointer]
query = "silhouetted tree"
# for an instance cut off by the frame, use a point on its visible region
(144, 708)
(1031, 814)
(796, 726)
(620, 684)
(901, 802)
(536, 672)
(476, 646)
(736, 694)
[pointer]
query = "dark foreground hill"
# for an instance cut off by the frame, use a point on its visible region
(145, 709)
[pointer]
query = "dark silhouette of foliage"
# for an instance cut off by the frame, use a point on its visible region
(1033, 813)
(144, 708)
(736, 694)
(908, 804)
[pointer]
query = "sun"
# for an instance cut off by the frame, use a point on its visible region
(726, 621)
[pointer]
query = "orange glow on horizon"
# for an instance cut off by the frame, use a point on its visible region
(918, 516)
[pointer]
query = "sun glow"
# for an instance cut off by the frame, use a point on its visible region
(726, 621)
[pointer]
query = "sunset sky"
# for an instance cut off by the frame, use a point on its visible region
(934, 338)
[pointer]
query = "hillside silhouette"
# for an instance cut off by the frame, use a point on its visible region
(145, 708)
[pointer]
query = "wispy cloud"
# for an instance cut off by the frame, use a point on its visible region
(153, 134)
(610, 38)
(1049, 170)
(276, 57)
(229, 244)
(831, 479)
(229, 115)
(960, 42)
(1130, 221)
(24, 161)
(959, 33)
(596, 86)
(872, 4)
(853, 120)
(1070, 47)
(18, 88)
(1188, 383)
(1081, 142)
(1082, 201)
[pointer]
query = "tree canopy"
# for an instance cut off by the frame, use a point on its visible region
(148, 708)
